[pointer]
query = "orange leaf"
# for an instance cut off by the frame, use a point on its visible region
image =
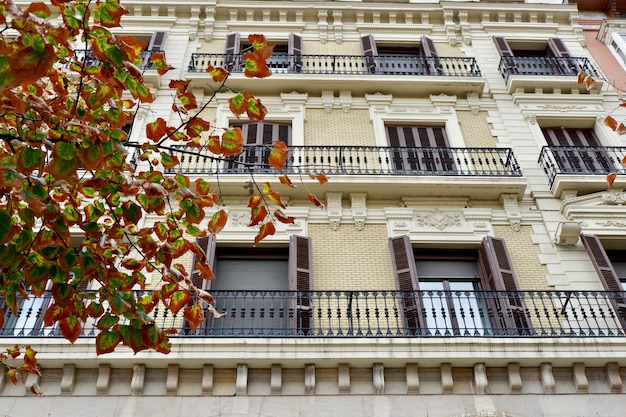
(232, 142)
(214, 145)
(217, 222)
(621, 129)
(205, 270)
(179, 300)
(255, 66)
(194, 314)
(70, 328)
(156, 130)
(179, 85)
(610, 122)
(217, 74)
(12, 375)
(590, 82)
(319, 177)
(284, 219)
(265, 230)
(257, 215)
(315, 201)
(29, 64)
(610, 179)
(272, 195)
(284, 179)
(581, 77)
(623, 164)
(254, 201)
(205, 296)
(278, 155)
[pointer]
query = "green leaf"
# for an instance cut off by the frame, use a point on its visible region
(132, 212)
(65, 150)
(5, 226)
(107, 321)
(24, 240)
(107, 341)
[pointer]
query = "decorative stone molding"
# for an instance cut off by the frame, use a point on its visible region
(480, 378)
(438, 220)
(276, 379)
(547, 378)
(412, 378)
(474, 103)
(359, 209)
(68, 379)
(104, 379)
(334, 209)
(580, 378)
(343, 378)
(207, 379)
(378, 378)
(449, 26)
(138, 380)
(613, 377)
(171, 383)
(512, 210)
(338, 26)
(614, 197)
(309, 379)
(209, 22)
(241, 382)
(447, 382)
(328, 99)
(345, 100)
(514, 377)
(322, 25)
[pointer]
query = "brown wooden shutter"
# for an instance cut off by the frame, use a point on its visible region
(557, 48)
(429, 52)
(301, 283)
(502, 46)
(294, 48)
(369, 51)
(208, 245)
(609, 279)
(507, 310)
(232, 50)
(405, 272)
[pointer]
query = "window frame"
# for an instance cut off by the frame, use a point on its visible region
(617, 46)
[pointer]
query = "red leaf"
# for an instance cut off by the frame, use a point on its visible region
(232, 142)
(194, 314)
(284, 219)
(254, 201)
(257, 215)
(70, 328)
(319, 177)
(265, 230)
(205, 270)
(255, 110)
(238, 103)
(621, 129)
(255, 66)
(156, 130)
(284, 179)
(217, 222)
(179, 300)
(315, 201)
(217, 74)
(188, 100)
(278, 155)
(179, 85)
(272, 195)
(28, 64)
(36, 389)
(610, 179)
(581, 77)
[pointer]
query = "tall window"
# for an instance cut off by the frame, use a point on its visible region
(526, 58)
(287, 56)
(418, 149)
(447, 299)
(394, 59)
(618, 47)
(258, 142)
(611, 272)
(580, 150)
(265, 291)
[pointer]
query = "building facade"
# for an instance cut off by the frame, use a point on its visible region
(469, 261)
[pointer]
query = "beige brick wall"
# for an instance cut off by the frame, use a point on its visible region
(350, 259)
(331, 48)
(476, 130)
(444, 49)
(338, 128)
(531, 275)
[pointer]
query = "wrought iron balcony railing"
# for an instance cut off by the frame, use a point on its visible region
(379, 314)
(545, 66)
(345, 64)
(585, 160)
(357, 160)
(86, 56)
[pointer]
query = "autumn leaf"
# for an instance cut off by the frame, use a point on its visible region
(257, 215)
(271, 194)
(610, 179)
(281, 217)
(312, 198)
(621, 129)
(239, 103)
(188, 100)
(216, 314)
(284, 179)
(205, 270)
(158, 60)
(217, 222)
(590, 82)
(254, 201)
(232, 142)
(179, 300)
(623, 164)
(255, 66)
(31, 63)
(321, 178)
(581, 77)
(156, 130)
(71, 328)
(179, 85)
(217, 74)
(36, 389)
(107, 341)
(265, 230)
(194, 314)
(254, 109)
(278, 155)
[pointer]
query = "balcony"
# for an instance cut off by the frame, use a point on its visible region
(150, 74)
(582, 168)
(426, 75)
(379, 314)
(386, 172)
(545, 73)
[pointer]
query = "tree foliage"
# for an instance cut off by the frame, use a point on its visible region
(65, 172)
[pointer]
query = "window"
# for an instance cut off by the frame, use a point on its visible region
(577, 150)
(258, 142)
(265, 291)
(287, 57)
(419, 149)
(528, 58)
(472, 292)
(415, 59)
(617, 46)
(611, 279)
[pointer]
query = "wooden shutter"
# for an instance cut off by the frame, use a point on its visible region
(429, 52)
(507, 310)
(502, 46)
(609, 279)
(295, 50)
(208, 245)
(405, 272)
(232, 50)
(557, 48)
(157, 41)
(369, 51)
(301, 283)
